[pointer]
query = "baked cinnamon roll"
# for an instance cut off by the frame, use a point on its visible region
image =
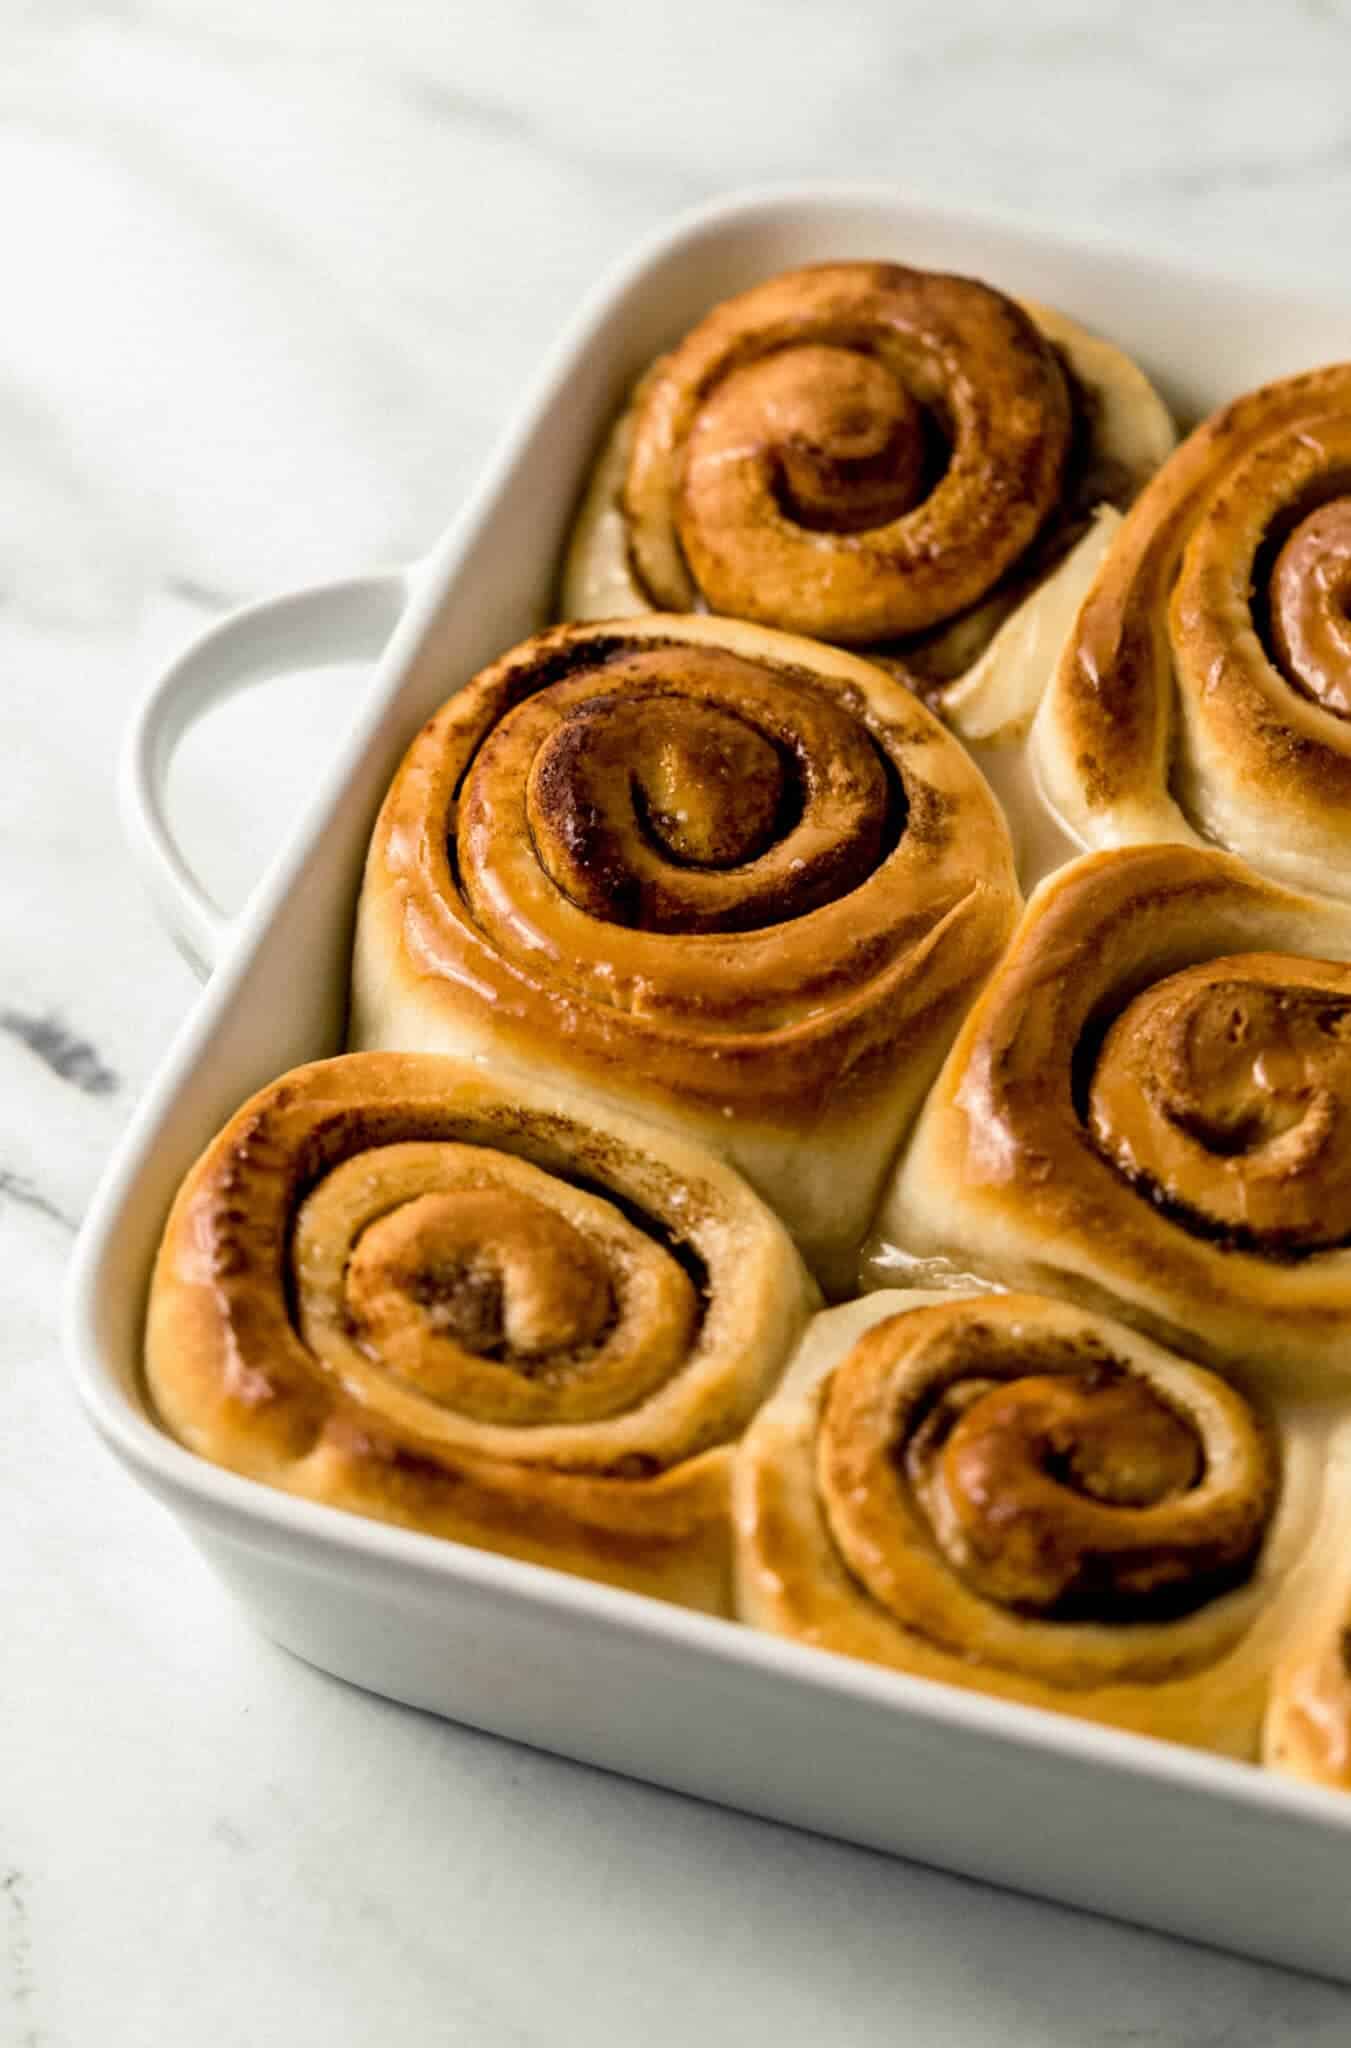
(395, 1285)
(740, 883)
(1205, 694)
(1024, 1498)
(1149, 1108)
(881, 457)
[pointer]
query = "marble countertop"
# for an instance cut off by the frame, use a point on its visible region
(274, 277)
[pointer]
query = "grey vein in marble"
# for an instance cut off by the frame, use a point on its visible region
(73, 1059)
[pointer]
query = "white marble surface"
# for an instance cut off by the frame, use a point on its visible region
(273, 274)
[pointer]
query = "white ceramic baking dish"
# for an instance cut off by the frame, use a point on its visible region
(1118, 1823)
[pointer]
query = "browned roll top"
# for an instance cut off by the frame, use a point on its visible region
(737, 881)
(1224, 1093)
(1206, 687)
(478, 1293)
(1050, 1476)
(1237, 551)
(370, 1243)
(853, 450)
(394, 1284)
(1149, 1106)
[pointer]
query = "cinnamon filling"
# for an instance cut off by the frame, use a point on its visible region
(1050, 1478)
(484, 1286)
(852, 447)
(1224, 1094)
(691, 791)
(1033, 1488)
(1310, 600)
(477, 1271)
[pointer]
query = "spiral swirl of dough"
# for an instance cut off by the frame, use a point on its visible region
(1205, 692)
(783, 452)
(396, 1285)
(1149, 1108)
(1024, 1497)
(963, 1451)
(881, 457)
(737, 881)
(1225, 1092)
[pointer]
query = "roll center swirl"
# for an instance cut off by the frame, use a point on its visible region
(705, 787)
(683, 790)
(849, 438)
(1223, 1092)
(1311, 606)
(478, 1271)
(1050, 1476)
(1030, 1487)
(855, 451)
(484, 1287)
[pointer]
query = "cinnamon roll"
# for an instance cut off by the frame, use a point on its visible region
(1205, 693)
(1149, 1109)
(740, 883)
(881, 457)
(395, 1285)
(1025, 1498)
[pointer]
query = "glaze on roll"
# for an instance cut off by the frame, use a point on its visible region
(732, 881)
(1150, 1108)
(1205, 694)
(1223, 1093)
(878, 456)
(1022, 1497)
(394, 1285)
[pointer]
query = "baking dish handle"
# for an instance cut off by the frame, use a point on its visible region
(332, 622)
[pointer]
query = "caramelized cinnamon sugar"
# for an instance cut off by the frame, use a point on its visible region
(1051, 1477)
(694, 792)
(1311, 606)
(1225, 1093)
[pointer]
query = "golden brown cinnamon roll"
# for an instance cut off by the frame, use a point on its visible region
(395, 1285)
(1025, 1498)
(739, 882)
(877, 456)
(1205, 694)
(1149, 1108)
